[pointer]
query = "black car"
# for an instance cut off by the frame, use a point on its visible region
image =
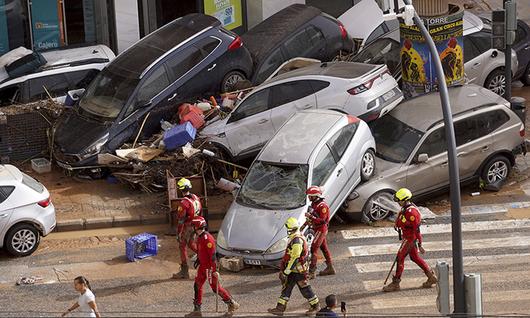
(296, 31)
(521, 46)
(187, 58)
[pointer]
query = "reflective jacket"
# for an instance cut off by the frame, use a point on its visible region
(190, 207)
(295, 257)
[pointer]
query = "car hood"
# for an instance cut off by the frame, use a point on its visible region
(74, 133)
(386, 167)
(214, 127)
(252, 229)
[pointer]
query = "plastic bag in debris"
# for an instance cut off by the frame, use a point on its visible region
(165, 125)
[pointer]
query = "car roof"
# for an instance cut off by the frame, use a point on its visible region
(472, 23)
(346, 70)
(424, 111)
(295, 141)
(139, 57)
(9, 173)
(265, 36)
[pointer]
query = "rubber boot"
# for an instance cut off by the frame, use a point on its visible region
(330, 270)
(278, 310)
(311, 274)
(183, 274)
(393, 286)
(232, 306)
(196, 312)
(431, 279)
(313, 310)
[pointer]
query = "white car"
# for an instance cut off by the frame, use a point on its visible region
(316, 147)
(26, 211)
(362, 90)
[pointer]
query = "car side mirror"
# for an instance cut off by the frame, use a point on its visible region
(422, 157)
(494, 54)
(76, 93)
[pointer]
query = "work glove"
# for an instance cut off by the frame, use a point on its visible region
(196, 263)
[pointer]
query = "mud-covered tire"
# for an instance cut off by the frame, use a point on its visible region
(497, 169)
(22, 240)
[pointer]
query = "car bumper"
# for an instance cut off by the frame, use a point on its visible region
(47, 220)
(383, 104)
(253, 258)
(522, 148)
(90, 162)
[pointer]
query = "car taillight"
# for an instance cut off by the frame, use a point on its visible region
(236, 44)
(45, 203)
(521, 131)
(363, 87)
(343, 31)
(352, 119)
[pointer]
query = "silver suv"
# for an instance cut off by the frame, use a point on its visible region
(412, 150)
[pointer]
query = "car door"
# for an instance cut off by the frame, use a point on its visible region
(249, 126)
(207, 77)
(430, 175)
(5, 211)
(289, 98)
(474, 61)
(522, 46)
(318, 42)
(299, 45)
(329, 174)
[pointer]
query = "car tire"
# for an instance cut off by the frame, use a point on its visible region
(374, 212)
(368, 165)
(496, 82)
(526, 76)
(22, 240)
(496, 170)
(230, 79)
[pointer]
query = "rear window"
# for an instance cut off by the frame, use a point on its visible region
(5, 192)
(32, 183)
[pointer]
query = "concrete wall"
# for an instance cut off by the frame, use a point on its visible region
(259, 10)
(127, 23)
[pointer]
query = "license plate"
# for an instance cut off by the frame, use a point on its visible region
(388, 95)
(253, 262)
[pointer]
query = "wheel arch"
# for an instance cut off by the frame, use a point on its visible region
(505, 153)
(36, 225)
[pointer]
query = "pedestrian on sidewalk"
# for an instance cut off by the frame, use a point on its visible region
(331, 303)
(190, 207)
(207, 269)
(86, 302)
(318, 218)
(293, 271)
(408, 222)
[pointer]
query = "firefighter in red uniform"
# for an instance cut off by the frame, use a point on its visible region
(408, 221)
(318, 218)
(207, 269)
(190, 207)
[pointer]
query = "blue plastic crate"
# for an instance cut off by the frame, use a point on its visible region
(141, 246)
(179, 135)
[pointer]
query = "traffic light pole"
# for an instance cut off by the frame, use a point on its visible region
(456, 218)
(508, 65)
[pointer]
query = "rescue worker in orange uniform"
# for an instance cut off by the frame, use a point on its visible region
(190, 207)
(408, 221)
(207, 269)
(318, 218)
(293, 271)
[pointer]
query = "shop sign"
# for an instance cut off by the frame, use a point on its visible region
(45, 24)
(229, 12)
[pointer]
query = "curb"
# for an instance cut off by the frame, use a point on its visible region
(110, 222)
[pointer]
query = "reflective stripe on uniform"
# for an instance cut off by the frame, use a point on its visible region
(313, 301)
(282, 301)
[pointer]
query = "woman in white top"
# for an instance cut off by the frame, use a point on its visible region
(86, 301)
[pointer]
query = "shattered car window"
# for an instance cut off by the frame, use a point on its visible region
(394, 139)
(108, 93)
(272, 186)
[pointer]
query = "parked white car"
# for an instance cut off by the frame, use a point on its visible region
(26, 211)
(362, 90)
(316, 147)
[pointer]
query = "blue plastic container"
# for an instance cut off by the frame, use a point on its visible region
(179, 136)
(141, 246)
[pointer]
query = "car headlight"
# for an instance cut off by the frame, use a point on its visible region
(95, 147)
(279, 246)
(221, 241)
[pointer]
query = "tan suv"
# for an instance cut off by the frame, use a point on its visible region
(412, 151)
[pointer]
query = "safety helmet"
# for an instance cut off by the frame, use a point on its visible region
(292, 224)
(198, 222)
(184, 184)
(402, 194)
(314, 191)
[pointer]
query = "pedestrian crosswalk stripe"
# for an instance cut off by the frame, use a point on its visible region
(439, 228)
(430, 300)
(490, 243)
(486, 260)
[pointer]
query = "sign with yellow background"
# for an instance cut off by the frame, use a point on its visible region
(229, 12)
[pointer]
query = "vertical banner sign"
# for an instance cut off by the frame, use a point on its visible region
(4, 35)
(229, 12)
(45, 24)
(417, 66)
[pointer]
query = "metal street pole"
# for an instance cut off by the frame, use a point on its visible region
(507, 64)
(456, 219)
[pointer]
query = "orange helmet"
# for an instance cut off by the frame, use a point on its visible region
(314, 191)
(198, 222)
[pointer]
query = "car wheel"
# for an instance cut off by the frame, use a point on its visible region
(368, 165)
(496, 170)
(526, 76)
(22, 240)
(230, 79)
(496, 82)
(379, 206)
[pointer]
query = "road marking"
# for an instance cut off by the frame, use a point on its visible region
(490, 243)
(486, 260)
(430, 300)
(439, 228)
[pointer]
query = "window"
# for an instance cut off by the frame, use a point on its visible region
(254, 104)
(151, 87)
(377, 33)
(434, 144)
(324, 166)
(291, 91)
(297, 45)
(490, 121)
(184, 61)
(9, 95)
(5, 192)
(482, 41)
(381, 51)
(81, 79)
(207, 45)
(318, 85)
(315, 35)
(56, 85)
(466, 131)
(274, 60)
(470, 50)
(469, 129)
(340, 141)
(32, 183)
(520, 35)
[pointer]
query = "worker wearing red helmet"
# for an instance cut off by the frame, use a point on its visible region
(207, 269)
(190, 207)
(318, 219)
